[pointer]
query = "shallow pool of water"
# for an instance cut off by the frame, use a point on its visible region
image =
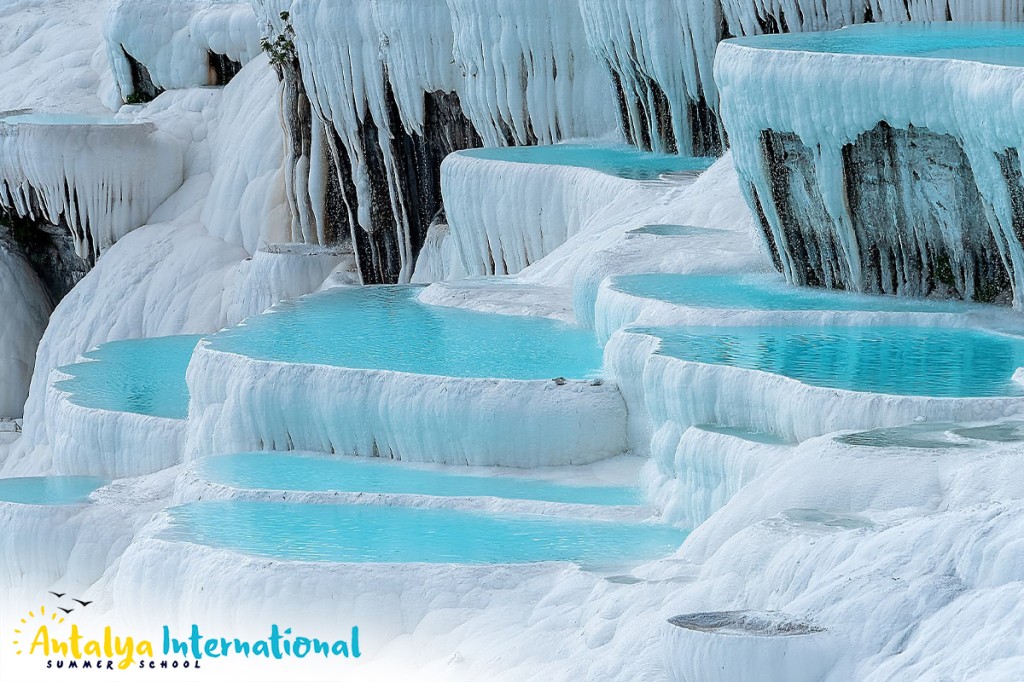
(62, 119)
(273, 471)
(49, 490)
(676, 231)
(1007, 432)
(385, 327)
(895, 360)
(994, 43)
(926, 436)
(620, 160)
(380, 534)
(767, 292)
(142, 376)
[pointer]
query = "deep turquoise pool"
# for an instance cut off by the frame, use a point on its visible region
(619, 160)
(380, 534)
(895, 360)
(767, 292)
(995, 43)
(142, 376)
(385, 327)
(276, 471)
(49, 490)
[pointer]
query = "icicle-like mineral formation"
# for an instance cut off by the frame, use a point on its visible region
(884, 174)
(101, 178)
(660, 55)
(366, 143)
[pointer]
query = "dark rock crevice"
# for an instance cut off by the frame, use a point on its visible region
(222, 68)
(143, 88)
(915, 222)
(49, 250)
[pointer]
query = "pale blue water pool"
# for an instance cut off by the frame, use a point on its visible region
(49, 490)
(379, 534)
(767, 292)
(924, 436)
(743, 434)
(385, 327)
(62, 119)
(619, 160)
(142, 376)
(895, 360)
(994, 43)
(676, 231)
(1011, 431)
(273, 471)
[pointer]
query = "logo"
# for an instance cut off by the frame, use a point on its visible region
(50, 635)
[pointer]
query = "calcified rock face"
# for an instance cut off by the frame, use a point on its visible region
(864, 177)
(49, 250)
(916, 215)
(367, 143)
(659, 54)
(26, 306)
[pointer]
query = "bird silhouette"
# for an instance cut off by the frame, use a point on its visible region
(58, 595)
(65, 610)
(83, 603)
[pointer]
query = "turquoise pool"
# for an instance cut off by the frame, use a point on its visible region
(142, 376)
(995, 43)
(378, 534)
(274, 471)
(385, 327)
(619, 160)
(49, 490)
(767, 292)
(895, 360)
(62, 119)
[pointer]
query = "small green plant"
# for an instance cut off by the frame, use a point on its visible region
(281, 49)
(137, 98)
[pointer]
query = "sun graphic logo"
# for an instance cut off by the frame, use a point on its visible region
(40, 634)
(32, 624)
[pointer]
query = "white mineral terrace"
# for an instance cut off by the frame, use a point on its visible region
(830, 89)
(607, 438)
(101, 176)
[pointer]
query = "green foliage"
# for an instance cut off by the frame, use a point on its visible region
(137, 98)
(281, 49)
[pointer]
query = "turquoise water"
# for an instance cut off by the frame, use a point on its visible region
(620, 160)
(142, 376)
(894, 360)
(385, 327)
(260, 470)
(62, 119)
(766, 292)
(676, 231)
(49, 490)
(370, 533)
(993, 43)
